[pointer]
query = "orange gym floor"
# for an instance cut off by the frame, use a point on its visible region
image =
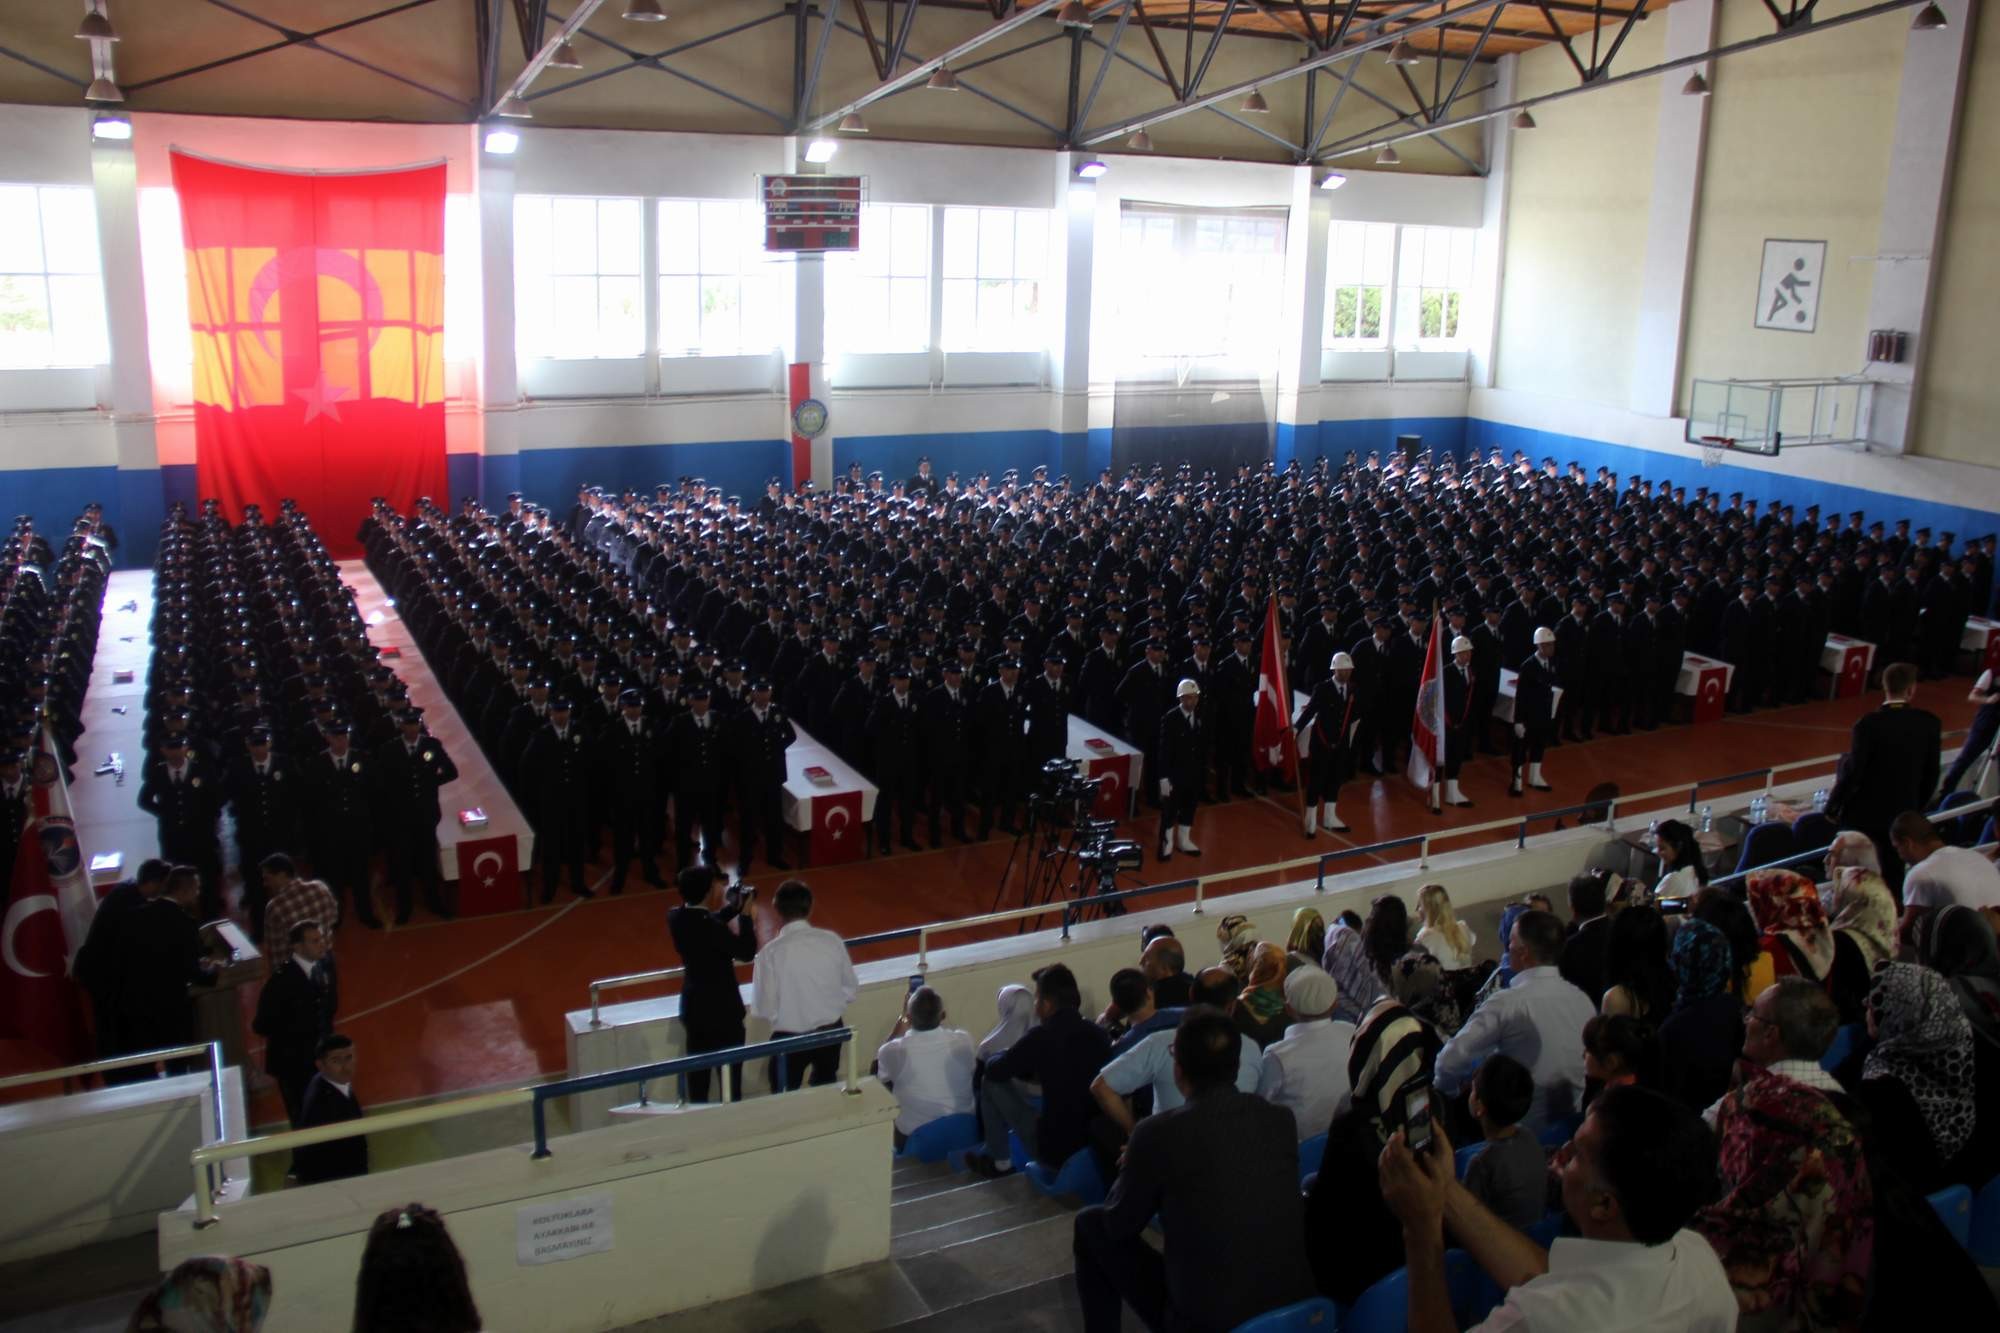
(444, 1006)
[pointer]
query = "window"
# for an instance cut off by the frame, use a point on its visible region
(51, 286)
(578, 277)
(878, 298)
(1360, 259)
(1202, 284)
(719, 293)
(992, 289)
(1433, 272)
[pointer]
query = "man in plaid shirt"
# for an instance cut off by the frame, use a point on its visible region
(290, 900)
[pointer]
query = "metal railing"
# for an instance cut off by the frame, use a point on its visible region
(1694, 793)
(1809, 854)
(1421, 841)
(217, 1177)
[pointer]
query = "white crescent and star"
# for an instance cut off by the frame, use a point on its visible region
(17, 913)
(479, 870)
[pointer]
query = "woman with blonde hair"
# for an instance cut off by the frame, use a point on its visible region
(1443, 935)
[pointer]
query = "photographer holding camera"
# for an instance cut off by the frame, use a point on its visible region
(713, 931)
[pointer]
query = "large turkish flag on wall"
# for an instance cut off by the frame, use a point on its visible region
(316, 302)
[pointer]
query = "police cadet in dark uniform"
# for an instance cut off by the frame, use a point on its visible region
(1048, 711)
(1183, 768)
(181, 791)
(949, 739)
(555, 775)
(1534, 710)
(1232, 710)
(699, 776)
(1146, 693)
(1003, 748)
(342, 781)
(1461, 701)
(264, 800)
(896, 747)
(762, 734)
(1327, 724)
(630, 755)
(409, 770)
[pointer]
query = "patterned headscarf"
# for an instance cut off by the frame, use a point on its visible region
(1237, 936)
(1702, 961)
(206, 1295)
(1346, 961)
(1864, 909)
(1924, 1043)
(1957, 943)
(1264, 990)
(1786, 904)
(1308, 933)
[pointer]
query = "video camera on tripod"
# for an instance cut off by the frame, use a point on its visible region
(1064, 797)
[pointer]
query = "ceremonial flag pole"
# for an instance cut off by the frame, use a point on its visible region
(1274, 746)
(1427, 725)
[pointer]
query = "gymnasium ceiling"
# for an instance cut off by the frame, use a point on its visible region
(764, 67)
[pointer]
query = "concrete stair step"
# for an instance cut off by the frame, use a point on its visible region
(997, 1215)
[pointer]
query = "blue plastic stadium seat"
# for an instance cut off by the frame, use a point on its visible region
(1844, 1042)
(1764, 843)
(1318, 1314)
(1311, 1152)
(1962, 831)
(1383, 1308)
(1559, 1131)
(1954, 1209)
(937, 1141)
(1986, 830)
(1544, 1232)
(1078, 1176)
(1465, 1156)
(1986, 1225)
(1812, 831)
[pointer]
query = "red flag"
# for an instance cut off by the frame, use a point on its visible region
(47, 918)
(488, 878)
(1274, 746)
(1427, 725)
(837, 832)
(316, 303)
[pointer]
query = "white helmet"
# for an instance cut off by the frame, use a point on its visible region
(1461, 644)
(1342, 662)
(1186, 688)
(1543, 634)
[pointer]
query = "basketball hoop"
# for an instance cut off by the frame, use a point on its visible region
(1713, 447)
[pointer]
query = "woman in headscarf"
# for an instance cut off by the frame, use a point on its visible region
(206, 1295)
(1346, 961)
(1750, 970)
(1958, 944)
(1700, 1039)
(1351, 1236)
(1792, 923)
(1308, 938)
(1260, 1009)
(1917, 1082)
(1638, 982)
(1017, 1015)
(1864, 936)
(1238, 937)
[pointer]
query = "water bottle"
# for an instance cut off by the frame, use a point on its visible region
(1819, 799)
(1708, 819)
(1653, 835)
(1757, 809)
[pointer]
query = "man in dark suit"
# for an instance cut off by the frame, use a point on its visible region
(185, 796)
(555, 772)
(896, 748)
(160, 955)
(1003, 748)
(294, 1010)
(409, 770)
(695, 744)
(948, 738)
(760, 735)
(630, 758)
(343, 802)
(329, 1100)
(98, 964)
(1145, 695)
(1583, 958)
(1891, 765)
(264, 798)
(712, 934)
(1183, 750)
(1222, 1174)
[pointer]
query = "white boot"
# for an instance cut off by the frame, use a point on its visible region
(1166, 841)
(1187, 840)
(1514, 787)
(1331, 818)
(1535, 778)
(1452, 795)
(1311, 825)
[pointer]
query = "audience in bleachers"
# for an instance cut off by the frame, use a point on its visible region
(1510, 1173)
(1699, 1039)
(1619, 1049)
(926, 1064)
(1062, 1053)
(1305, 1071)
(1538, 1019)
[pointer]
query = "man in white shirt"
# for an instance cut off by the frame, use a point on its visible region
(802, 982)
(1149, 1064)
(1632, 1178)
(1939, 876)
(927, 1065)
(1538, 1019)
(1305, 1071)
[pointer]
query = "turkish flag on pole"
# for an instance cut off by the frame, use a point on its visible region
(316, 304)
(1427, 724)
(47, 917)
(488, 878)
(1274, 747)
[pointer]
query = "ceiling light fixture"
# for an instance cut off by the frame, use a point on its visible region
(1333, 180)
(1696, 86)
(644, 11)
(942, 80)
(822, 150)
(1254, 103)
(1091, 170)
(1929, 19)
(1522, 120)
(96, 27)
(852, 123)
(1141, 142)
(1402, 53)
(111, 127)
(1387, 157)
(102, 89)
(513, 108)
(565, 57)
(501, 142)
(1074, 15)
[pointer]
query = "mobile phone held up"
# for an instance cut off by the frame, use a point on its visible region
(1417, 1116)
(916, 983)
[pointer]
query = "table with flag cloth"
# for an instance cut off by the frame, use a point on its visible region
(1848, 662)
(1705, 681)
(1119, 766)
(832, 813)
(1503, 700)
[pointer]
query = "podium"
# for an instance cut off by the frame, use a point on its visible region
(218, 1009)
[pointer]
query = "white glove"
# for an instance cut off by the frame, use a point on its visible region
(1520, 730)
(1166, 787)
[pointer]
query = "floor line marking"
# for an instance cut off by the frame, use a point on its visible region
(458, 972)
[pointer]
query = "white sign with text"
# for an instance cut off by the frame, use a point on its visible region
(548, 1233)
